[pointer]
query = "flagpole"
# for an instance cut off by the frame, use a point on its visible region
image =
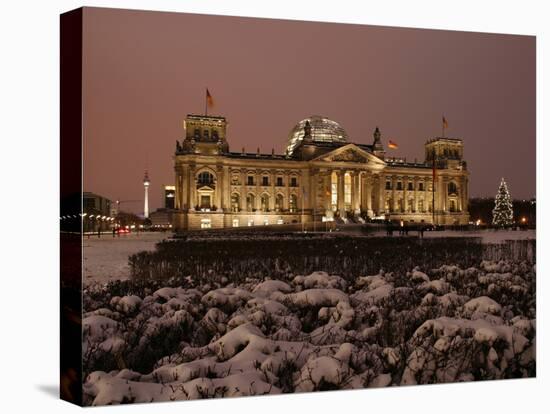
(206, 102)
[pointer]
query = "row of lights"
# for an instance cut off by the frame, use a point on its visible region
(91, 216)
(479, 222)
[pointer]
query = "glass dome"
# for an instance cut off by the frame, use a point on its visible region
(322, 130)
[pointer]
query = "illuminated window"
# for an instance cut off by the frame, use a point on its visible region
(347, 191)
(235, 222)
(266, 222)
(250, 222)
(280, 221)
(293, 203)
(206, 224)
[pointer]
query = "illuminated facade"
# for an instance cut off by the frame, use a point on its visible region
(321, 176)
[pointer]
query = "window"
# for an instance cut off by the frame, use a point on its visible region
(399, 185)
(235, 202)
(197, 133)
(250, 222)
(235, 222)
(250, 202)
(280, 221)
(265, 203)
(265, 181)
(266, 222)
(250, 180)
(421, 206)
(235, 180)
(410, 186)
(452, 188)
(205, 178)
(293, 182)
(388, 185)
(410, 205)
(206, 224)
(206, 135)
(279, 181)
(293, 203)
(421, 186)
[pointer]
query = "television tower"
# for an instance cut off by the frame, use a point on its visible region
(146, 183)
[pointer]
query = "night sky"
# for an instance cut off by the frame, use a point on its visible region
(144, 71)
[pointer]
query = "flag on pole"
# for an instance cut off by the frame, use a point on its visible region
(445, 123)
(392, 144)
(209, 99)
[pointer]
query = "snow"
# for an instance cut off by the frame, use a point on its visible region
(308, 333)
(106, 258)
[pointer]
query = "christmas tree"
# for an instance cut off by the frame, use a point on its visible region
(503, 215)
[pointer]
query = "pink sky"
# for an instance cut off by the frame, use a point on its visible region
(144, 71)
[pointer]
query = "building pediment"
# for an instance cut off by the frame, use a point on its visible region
(349, 153)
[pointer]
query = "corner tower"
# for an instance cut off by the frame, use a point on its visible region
(205, 135)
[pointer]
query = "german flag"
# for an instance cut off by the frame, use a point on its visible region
(209, 99)
(392, 144)
(445, 123)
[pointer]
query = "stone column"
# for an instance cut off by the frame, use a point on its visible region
(355, 192)
(405, 194)
(394, 198)
(440, 199)
(226, 199)
(287, 191)
(273, 195)
(258, 198)
(381, 194)
(368, 193)
(415, 194)
(218, 191)
(341, 205)
(192, 188)
(242, 198)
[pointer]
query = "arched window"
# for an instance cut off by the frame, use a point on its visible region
(235, 202)
(250, 199)
(293, 203)
(265, 202)
(205, 178)
(452, 188)
(279, 202)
